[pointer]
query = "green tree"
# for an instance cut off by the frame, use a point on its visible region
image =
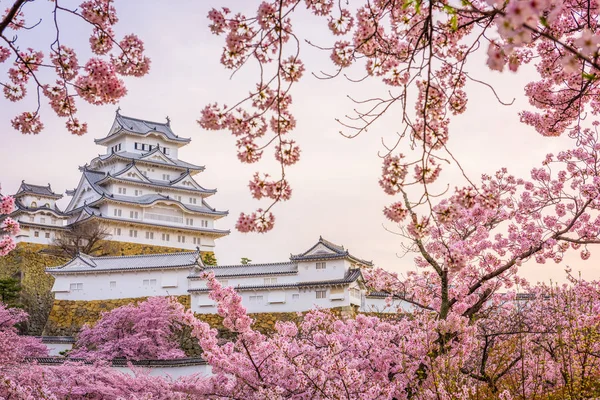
(209, 259)
(10, 290)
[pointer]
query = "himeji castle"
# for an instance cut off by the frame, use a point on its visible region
(139, 189)
(326, 276)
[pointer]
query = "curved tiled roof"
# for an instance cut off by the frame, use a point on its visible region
(93, 177)
(337, 252)
(22, 208)
(350, 277)
(227, 271)
(38, 190)
(85, 263)
(177, 362)
(141, 127)
(128, 156)
(195, 229)
(154, 182)
(56, 339)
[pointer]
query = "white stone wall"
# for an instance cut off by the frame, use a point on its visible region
(54, 349)
(127, 284)
(334, 269)
(278, 300)
(173, 372)
(380, 305)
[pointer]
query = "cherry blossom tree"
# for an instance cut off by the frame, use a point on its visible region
(420, 50)
(14, 348)
(8, 226)
(95, 80)
(146, 331)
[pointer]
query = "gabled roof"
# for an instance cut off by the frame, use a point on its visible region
(225, 271)
(37, 190)
(128, 156)
(129, 125)
(351, 276)
(85, 263)
(120, 176)
(120, 362)
(326, 250)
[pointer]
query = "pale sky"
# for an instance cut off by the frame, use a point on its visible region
(336, 193)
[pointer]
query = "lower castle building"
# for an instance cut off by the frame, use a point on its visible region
(325, 276)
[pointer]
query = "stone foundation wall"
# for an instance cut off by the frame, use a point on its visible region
(67, 317)
(28, 263)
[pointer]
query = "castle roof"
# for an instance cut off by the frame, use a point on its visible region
(142, 158)
(144, 180)
(351, 276)
(37, 190)
(93, 177)
(230, 271)
(129, 125)
(326, 250)
(86, 263)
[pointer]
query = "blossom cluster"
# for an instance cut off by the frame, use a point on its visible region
(96, 80)
(8, 226)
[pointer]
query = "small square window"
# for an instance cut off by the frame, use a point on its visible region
(47, 235)
(113, 284)
(36, 233)
(75, 287)
(270, 281)
(321, 265)
(321, 294)
(296, 296)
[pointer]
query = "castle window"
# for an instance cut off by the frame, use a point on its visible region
(270, 281)
(321, 265)
(178, 198)
(192, 200)
(123, 190)
(53, 221)
(133, 233)
(189, 221)
(36, 233)
(117, 212)
(43, 220)
(355, 292)
(149, 235)
(166, 150)
(133, 214)
(204, 223)
(33, 204)
(31, 219)
(117, 231)
(113, 284)
(296, 296)
(180, 238)
(165, 237)
(47, 235)
(321, 294)
(166, 177)
(76, 287)
(138, 192)
(256, 299)
(149, 282)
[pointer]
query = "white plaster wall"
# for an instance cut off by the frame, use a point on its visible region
(335, 269)
(27, 235)
(54, 349)
(173, 372)
(40, 201)
(306, 300)
(243, 281)
(128, 284)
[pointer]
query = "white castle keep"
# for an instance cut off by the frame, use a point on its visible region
(139, 189)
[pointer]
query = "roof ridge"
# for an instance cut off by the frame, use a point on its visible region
(144, 255)
(146, 121)
(249, 265)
